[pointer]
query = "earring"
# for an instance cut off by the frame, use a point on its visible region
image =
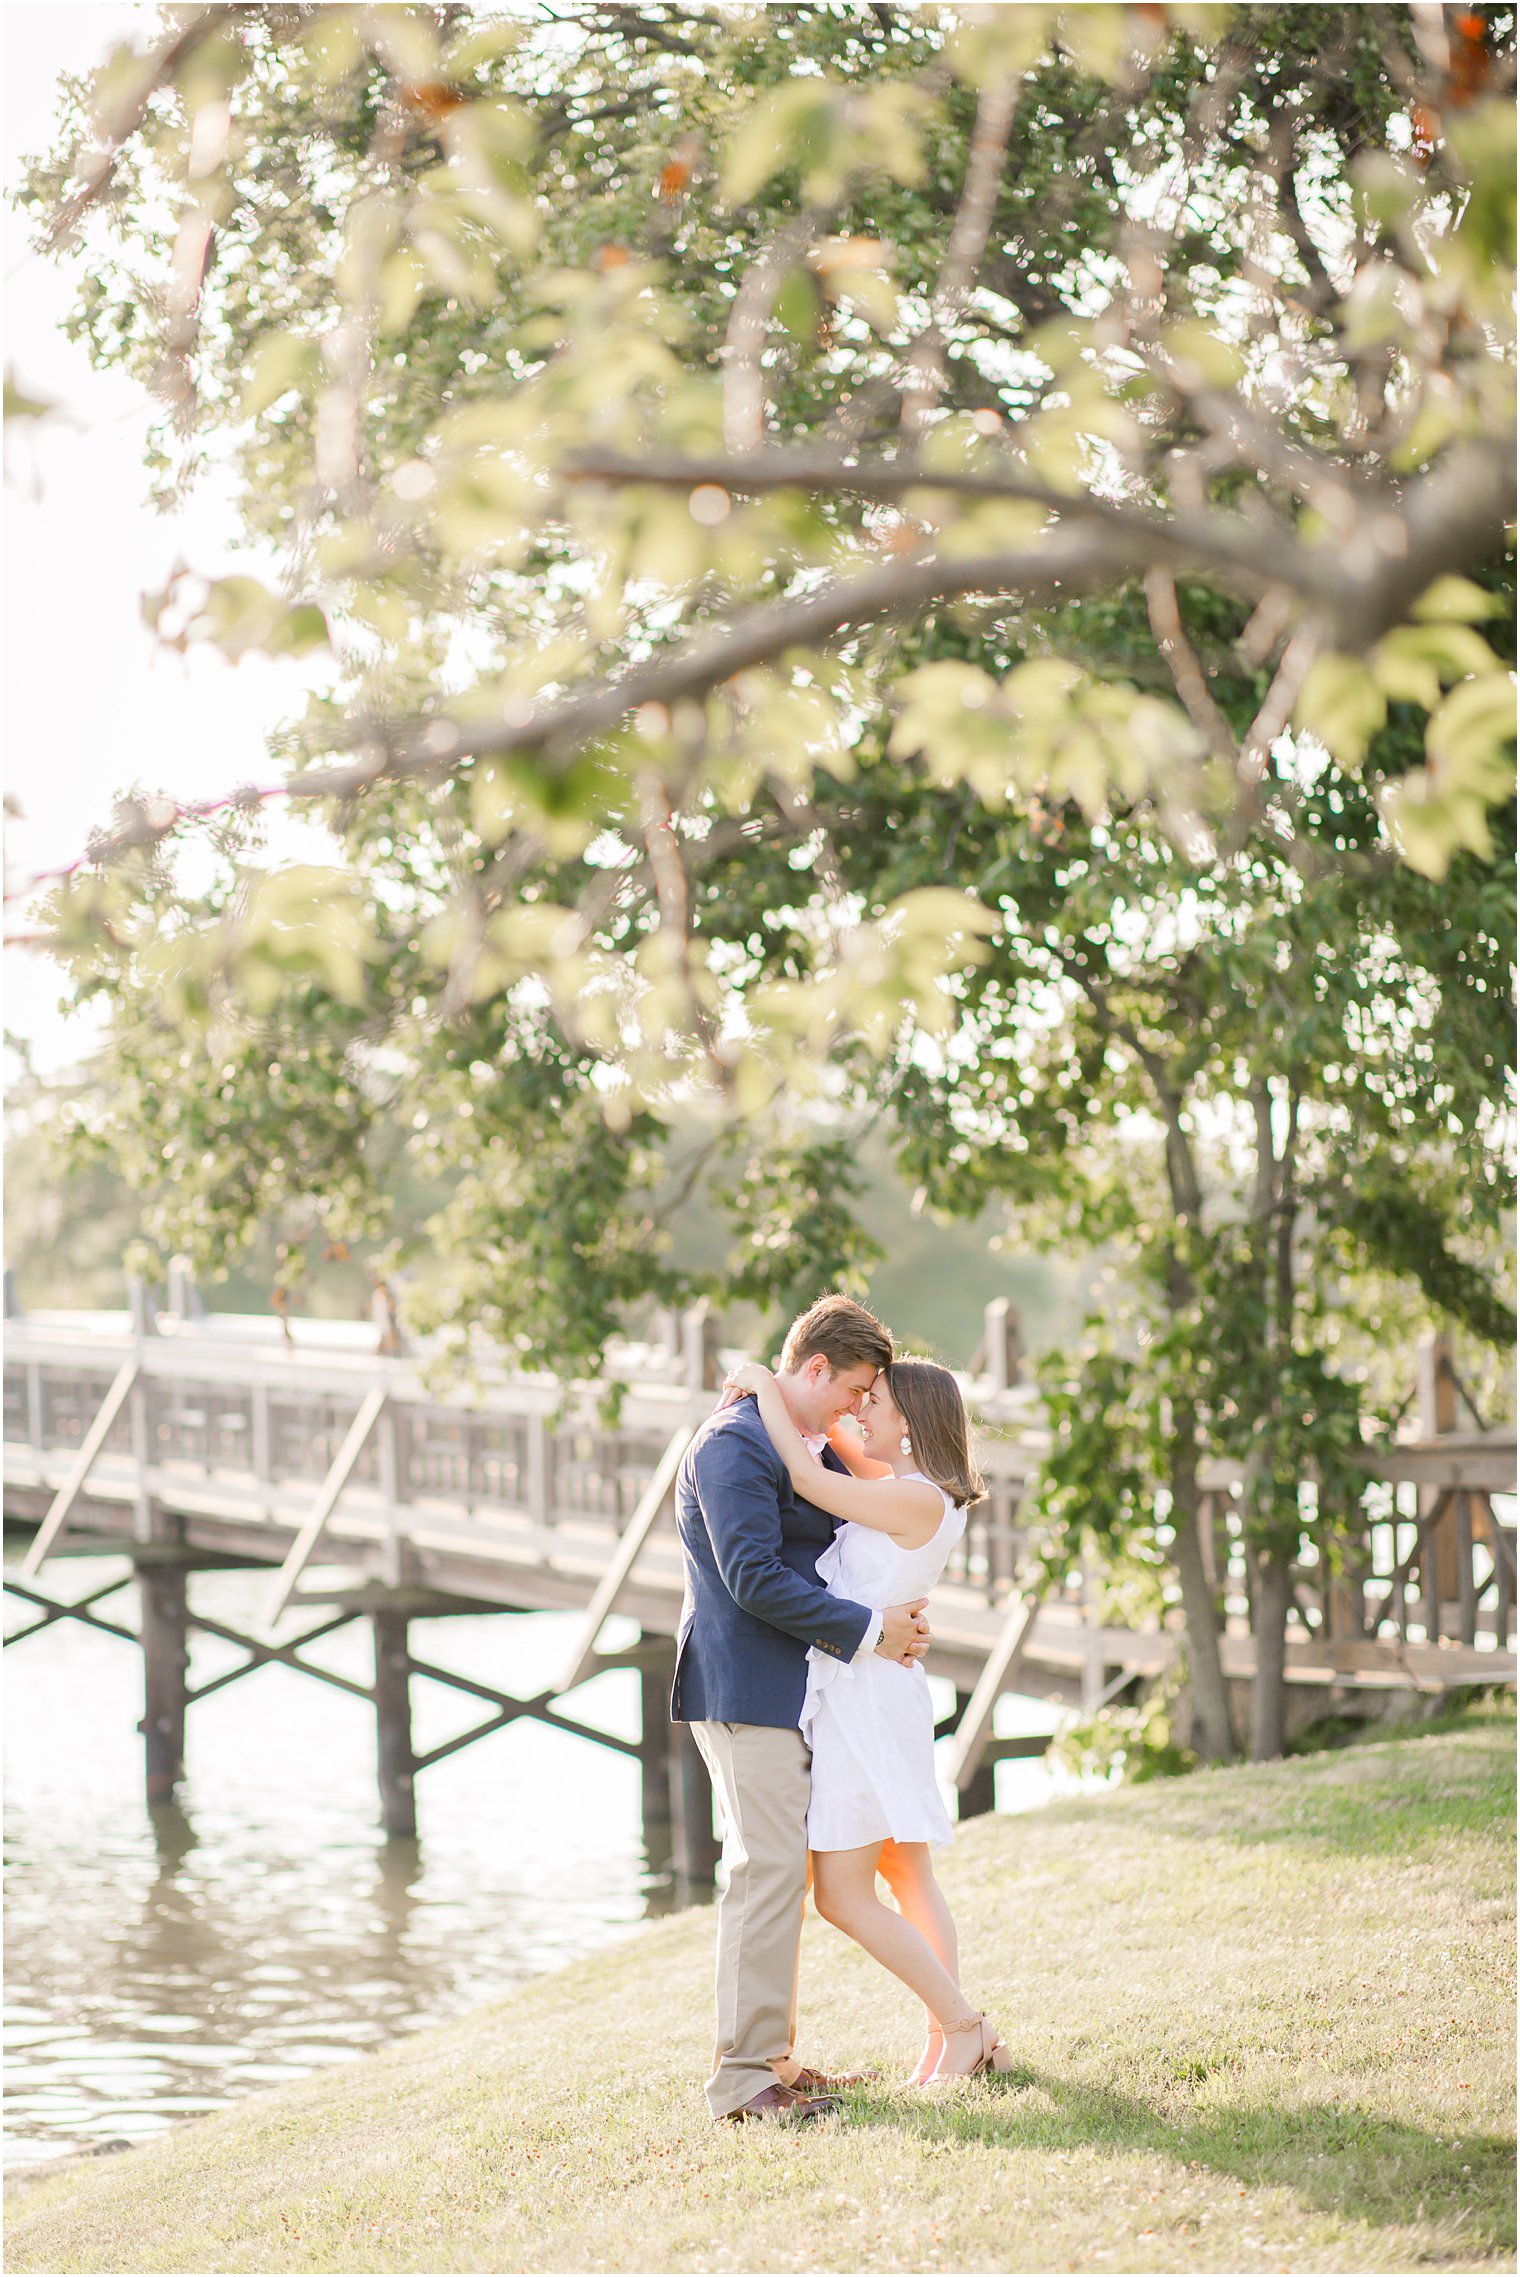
(906, 1444)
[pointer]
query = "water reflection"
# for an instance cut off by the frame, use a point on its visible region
(161, 1964)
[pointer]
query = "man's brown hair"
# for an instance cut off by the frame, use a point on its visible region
(843, 1332)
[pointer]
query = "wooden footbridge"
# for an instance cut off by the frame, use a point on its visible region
(185, 1442)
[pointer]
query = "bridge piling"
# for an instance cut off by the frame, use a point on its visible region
(979, 1794)
(164, 1631)
(697, 1848)
(656, 1745)
(396, 1761)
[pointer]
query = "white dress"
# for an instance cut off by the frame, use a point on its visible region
(870, 1724)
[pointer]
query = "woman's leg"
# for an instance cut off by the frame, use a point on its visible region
(909, 1874)
(844, 1891)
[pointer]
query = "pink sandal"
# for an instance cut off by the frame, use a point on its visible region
(994, 2055)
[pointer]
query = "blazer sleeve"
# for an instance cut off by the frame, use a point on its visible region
(737, 1490)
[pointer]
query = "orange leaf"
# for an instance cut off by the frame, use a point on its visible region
(1426, 124)
(434, 100)
(1470, 59)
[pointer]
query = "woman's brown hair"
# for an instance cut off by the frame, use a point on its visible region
(928, 1399)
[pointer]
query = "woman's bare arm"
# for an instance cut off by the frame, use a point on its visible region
(910, 1510)
(846, 1445)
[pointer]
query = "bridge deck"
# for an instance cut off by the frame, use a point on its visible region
(345, 1475)
(505, 1558)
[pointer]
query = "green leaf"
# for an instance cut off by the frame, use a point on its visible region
(1341, 703)
(406, 42)
(1456, 599)
(1483, 141)
(403, 280)
(1437, 420)
(306, 919)
(1097, 37)
(483, 43)
(798, 307)
(1201, 357)
(334, 43)
(989, 44)
(1412, 663)
(869, 291)
(1388, 188)
(282, 361)
(1475, 722)
(19, 405)
(782, 128)
(299, 631)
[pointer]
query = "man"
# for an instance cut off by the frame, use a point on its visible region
(754, 1605)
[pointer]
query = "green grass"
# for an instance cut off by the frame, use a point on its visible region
(1262, 2020)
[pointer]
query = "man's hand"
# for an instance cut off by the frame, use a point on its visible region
(905, 1633)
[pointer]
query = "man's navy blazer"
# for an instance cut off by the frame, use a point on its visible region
(754, 1603)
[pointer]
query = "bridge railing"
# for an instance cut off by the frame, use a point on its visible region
(220, 1407)
(228, 1404)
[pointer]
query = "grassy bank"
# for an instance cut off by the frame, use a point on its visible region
(1263, 2020)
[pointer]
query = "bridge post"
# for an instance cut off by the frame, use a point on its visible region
(656, 1752)
(395, 1759)
(979, 1795)
(1437, 1398)
(182, 1297)
(699, 1348)
(166, 1656)
(142, 1306)
(1001, 1352)
(697, 1848)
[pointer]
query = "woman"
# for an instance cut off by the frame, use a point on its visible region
(875, 1804)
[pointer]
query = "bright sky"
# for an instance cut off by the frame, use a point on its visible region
(91, 705)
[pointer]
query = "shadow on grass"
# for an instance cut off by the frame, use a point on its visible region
(1337, 2160)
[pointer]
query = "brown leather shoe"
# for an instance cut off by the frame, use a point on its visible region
(784, 2103)
(810, 2082)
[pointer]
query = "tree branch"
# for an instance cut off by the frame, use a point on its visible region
(1182, 662)
(1451, 520)
(128, 114)
(924, 378)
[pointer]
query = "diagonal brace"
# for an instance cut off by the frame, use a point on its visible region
(640, 1526)
(84, 1462)
(510, 1714)
(998, 1670)
(327, 1499)
(508, 1710)
(56, 1610)
(260, 1654)
(285, 1654)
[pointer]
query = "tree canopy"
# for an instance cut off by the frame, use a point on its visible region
(935, 567)
(623, 384)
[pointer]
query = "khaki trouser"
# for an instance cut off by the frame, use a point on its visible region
(761, 1778)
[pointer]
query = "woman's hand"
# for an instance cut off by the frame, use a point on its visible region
(747, 1377)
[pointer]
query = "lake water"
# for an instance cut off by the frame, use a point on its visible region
(160, 1967)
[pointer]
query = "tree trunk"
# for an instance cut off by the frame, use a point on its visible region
(1269, 1621)
(1213, 1736)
